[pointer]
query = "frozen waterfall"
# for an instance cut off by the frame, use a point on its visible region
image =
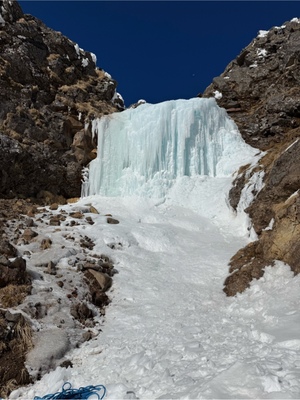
(143, 151)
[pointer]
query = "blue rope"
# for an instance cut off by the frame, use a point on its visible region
(81, 393)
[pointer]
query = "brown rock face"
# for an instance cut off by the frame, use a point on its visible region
(50, 89)
(261, 91)
(260, 88)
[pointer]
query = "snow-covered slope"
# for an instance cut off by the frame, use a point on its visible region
(170, 331)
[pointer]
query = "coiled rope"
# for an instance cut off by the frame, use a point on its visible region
(81, 393)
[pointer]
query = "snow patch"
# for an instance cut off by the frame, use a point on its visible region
(85, 62)
(262, 33)
(217, 95)
(270, 226)
(271, 384)
(261, 53)
(254, 65)
(94, 58)
(295, 20)
(77, 49)
(117, 96)
(251, 189)
(280, 27)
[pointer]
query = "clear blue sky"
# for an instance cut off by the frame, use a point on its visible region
(161, 50)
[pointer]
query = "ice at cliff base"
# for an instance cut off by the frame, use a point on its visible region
(143, 151)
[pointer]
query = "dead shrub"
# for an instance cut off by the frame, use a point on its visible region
(13, 295)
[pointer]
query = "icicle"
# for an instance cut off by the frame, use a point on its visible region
(143, 151)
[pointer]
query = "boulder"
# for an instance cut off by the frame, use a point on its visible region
(13, 273)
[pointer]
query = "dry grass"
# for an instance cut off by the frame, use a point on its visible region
(3, 347)
(23, 333)
(13, 295)
(8, 387)
(13, 372)
(53, 57)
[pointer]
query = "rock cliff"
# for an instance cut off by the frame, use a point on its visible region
(261, 91)
(49, 91)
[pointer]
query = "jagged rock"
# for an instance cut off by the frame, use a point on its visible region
(281, 242)
(54, 220)
(76, 214)
(53, 206)
(247, 264)
(29, 234)
(93, 210)
(87, 243)
(89, 220)
(51, 268)
(13, 273)
(96, 286)
(47, 103)
(81, 312)
(88, 335)
(29, 222)
(7, 249)
(66, 364)
(49, 198)
(104, 281)
(261, 86)
(10, 11)
(12, 317)
(110, 220)
(46, 243)
(282, 180)
(32, 211)
(4, 260)
(261, 90)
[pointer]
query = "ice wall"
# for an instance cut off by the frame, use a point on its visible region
(143, 151)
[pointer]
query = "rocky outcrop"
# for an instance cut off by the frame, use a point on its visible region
(50, 90)
(261, 90)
